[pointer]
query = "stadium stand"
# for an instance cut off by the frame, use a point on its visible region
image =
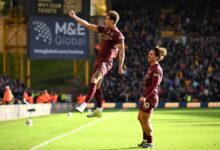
(191, 35)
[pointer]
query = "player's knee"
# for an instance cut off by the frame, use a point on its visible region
(95, 79)
(149, 126)
(139, 118)
(150, 130)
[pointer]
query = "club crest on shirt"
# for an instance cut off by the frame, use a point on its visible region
(106, 36)
(109, 32)
(156, 74)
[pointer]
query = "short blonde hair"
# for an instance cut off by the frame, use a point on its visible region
(160, 52)
(113, 15)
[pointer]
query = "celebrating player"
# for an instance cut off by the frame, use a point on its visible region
(150, 98)
(112, 42)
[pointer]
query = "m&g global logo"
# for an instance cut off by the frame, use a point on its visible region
(43, 32)
(59, 32)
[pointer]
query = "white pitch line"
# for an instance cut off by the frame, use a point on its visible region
(74, 131)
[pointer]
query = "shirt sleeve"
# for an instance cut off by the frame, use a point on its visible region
(101, 29)
(155, 83)
(119, 38)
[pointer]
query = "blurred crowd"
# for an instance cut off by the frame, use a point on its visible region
(192, 67)
(15, 92)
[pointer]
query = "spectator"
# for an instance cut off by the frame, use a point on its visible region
(53, 97)
(28, 98)
(8, 96)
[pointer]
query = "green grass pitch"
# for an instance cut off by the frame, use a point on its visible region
(174, 129)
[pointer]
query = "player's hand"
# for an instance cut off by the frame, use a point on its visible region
(120, 71)
(72, 13)
(142, 99)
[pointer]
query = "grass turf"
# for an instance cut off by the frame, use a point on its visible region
(174, 129)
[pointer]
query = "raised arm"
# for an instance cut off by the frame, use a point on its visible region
(82, 22)
(121, 57)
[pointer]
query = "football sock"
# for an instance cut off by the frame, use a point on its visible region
(149, 139)
(84, 104)
(144, 137)
(98, 96)
(91, 92)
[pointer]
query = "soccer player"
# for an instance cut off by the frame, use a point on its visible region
(150, 98)
(112, 42)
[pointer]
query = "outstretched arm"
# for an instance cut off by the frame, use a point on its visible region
(82, 22)
(121, 57)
